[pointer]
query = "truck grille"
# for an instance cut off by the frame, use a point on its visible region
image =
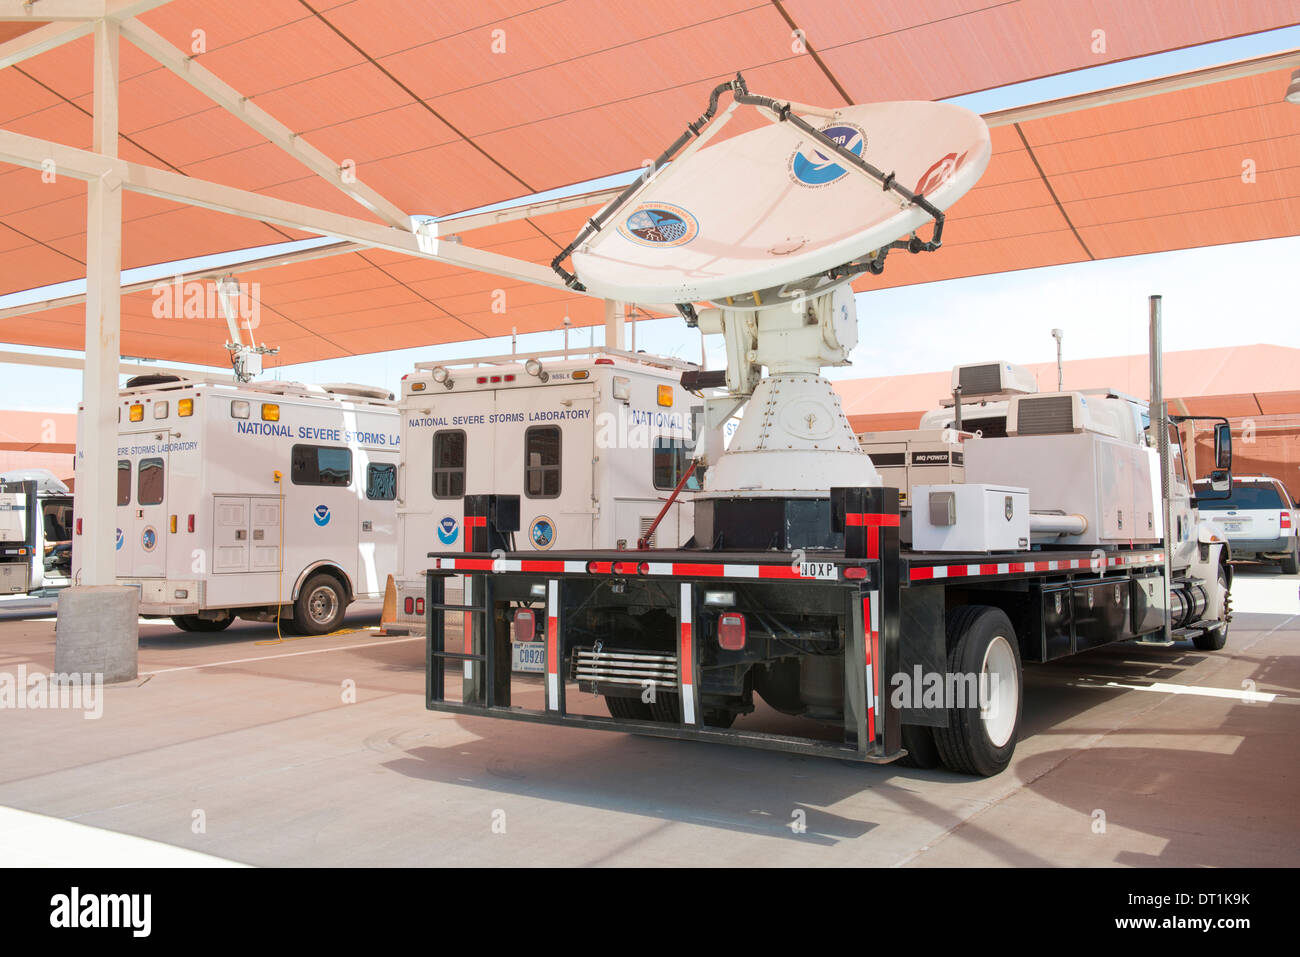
(1051, 415)
(624, 667)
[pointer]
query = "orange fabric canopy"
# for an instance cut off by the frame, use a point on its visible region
(447, 107)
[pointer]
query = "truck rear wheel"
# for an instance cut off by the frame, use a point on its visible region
(320, 605)
(981, 735)
(195, 623)
(1291, 564)
(628, 709)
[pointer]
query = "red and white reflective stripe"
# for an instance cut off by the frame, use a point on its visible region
(871, 520)
(553, 645)
(1016, 568)
(507, 565)
(686, 658)
(871, 636)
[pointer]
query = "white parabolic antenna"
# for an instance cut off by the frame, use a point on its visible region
(767, 207)
(770, 227)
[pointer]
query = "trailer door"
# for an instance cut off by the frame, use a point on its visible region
(149, 524)
(556, 464)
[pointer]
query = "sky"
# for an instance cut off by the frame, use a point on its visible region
(1220, 296)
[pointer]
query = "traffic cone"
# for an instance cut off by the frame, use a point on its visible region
(389, 614)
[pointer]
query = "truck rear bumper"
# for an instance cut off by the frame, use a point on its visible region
(1270, 547)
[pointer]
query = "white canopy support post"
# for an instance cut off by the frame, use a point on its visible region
(97, 439)
(98, 628)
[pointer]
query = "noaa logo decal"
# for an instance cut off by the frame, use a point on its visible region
(117, 544)
(660, 224)
(149, 538)
(448, 530)
(321, 515)
(542, 532)
(811, 167)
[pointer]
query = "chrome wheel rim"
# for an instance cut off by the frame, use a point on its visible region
(322, 603)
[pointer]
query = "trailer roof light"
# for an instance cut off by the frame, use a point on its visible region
(731, 631)
(724, 599)
(270, 412)
(604, 362)
(160, 410)
(440, 374)
(184, 407)
(481, 380)
(137, 413)
(510, 377)
(533, 367)
(239, 409)
(665, 395)
(494, 379)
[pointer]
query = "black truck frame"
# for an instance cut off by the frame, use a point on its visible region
(889, 609)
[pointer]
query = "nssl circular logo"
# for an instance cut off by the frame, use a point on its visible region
(814, 169)
(660, 224)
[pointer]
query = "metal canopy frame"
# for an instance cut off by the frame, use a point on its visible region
(107, 175)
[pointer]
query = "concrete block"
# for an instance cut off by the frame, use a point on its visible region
(98, 631)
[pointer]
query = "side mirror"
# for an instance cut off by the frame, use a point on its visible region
(1222, 448)
(1221, 479)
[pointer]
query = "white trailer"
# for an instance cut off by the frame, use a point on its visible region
(265, 501)
(592, 446)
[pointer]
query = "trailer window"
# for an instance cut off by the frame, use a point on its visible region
(381, 482)
(149, 490)
(320, 465)
(123, 482)
(542, 461)
(671, 460)
(449, 463)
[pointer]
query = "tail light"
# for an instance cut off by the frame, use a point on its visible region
(408, 606)
(731, 631)
(419, 606)
(525, 624)
(78, 526)
(1284, 521)
(189, 524)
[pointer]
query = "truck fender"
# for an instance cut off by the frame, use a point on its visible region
(1208, 534)
(319, 566)
(1205, 569)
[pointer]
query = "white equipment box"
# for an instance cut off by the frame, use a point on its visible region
(970, 518)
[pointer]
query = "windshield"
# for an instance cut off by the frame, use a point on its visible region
(1243, 497)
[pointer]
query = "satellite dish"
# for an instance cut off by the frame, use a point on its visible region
(768, 207)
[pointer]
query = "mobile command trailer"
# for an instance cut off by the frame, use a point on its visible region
(35, 534)
(591, 447)
(796, 588)
(206, 471)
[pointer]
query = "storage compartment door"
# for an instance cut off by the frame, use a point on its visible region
(231, 534)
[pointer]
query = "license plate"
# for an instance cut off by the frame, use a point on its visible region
(820, 570)
(1232, 526)
(529, 656)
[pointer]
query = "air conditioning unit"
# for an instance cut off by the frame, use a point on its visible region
(993, 378)
(1054, 413)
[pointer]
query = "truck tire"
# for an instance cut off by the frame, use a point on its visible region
(320, 605)
(1291, 564)
(628, 709)
(981, 741)
(922, 751)
(195, 623)
(1216, 639)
